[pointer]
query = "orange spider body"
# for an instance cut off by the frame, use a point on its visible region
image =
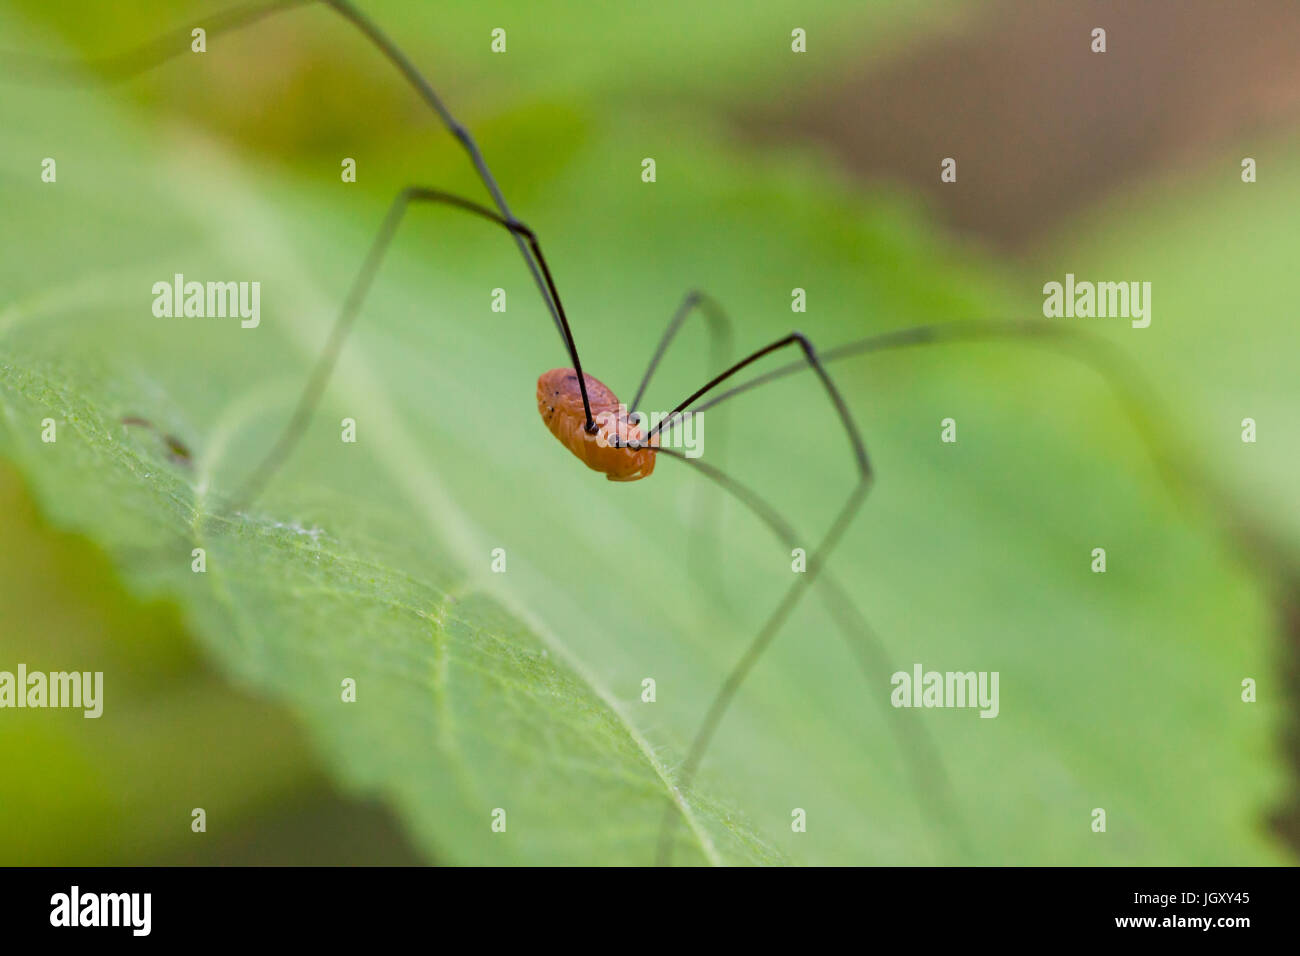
(559, 400)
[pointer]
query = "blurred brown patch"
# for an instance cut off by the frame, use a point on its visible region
(1040, 125)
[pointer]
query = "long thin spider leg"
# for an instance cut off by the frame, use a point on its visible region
(1260, 544)
(153, 54)
(316, 383)
(1044, 331)
(810, 354)
(177, 42)
(722, 700)
(1107, 361)
(706, 520)
(817, 558)
(1178, 468)
(719, 325)
(919, 751)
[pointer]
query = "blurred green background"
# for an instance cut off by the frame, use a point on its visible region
(775, 170)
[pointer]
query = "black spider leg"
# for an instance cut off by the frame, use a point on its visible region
(177, 43)
(816, 559)
(311, 394)
(719, 326)
(706, 522)
(1245, 532)
(918, 749)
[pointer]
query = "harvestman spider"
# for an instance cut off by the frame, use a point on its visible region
(587, 418)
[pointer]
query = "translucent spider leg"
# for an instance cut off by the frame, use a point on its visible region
(705, 522)
(816, 560)
(315, 387)
(720, 336)
(1247, 533)
(177, 43)
(147, 56)
(920, 754)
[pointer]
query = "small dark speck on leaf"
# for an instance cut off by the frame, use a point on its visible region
(177, 450)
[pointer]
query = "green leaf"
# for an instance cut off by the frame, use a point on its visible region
(522, 691)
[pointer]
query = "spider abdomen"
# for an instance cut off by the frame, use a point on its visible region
(559, 400)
